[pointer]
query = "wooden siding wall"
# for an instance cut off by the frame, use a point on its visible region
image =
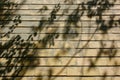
(84, 62)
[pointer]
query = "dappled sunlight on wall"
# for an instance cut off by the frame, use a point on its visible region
(60, 40)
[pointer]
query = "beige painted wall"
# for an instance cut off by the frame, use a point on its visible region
(78, 66)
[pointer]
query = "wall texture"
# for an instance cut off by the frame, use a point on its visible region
(83, 54)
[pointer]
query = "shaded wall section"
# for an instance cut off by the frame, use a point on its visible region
(65, 40)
